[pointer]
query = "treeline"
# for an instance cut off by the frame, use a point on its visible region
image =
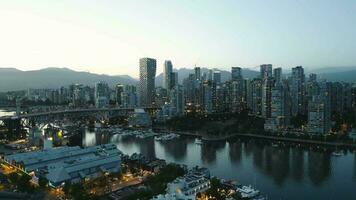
(217, 123)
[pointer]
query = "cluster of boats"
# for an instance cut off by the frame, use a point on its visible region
(167, 137)
(248, 192)
(141, 134)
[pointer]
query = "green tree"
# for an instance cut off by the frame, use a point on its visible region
(14, 178)
(42, 182)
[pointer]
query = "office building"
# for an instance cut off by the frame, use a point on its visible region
(319, 110)
(280, 108)
(236, 73)
(265, 71)
(147, 82)
(101, 95)
(297, 90)
(167, 74)
(266, 97)
(197, 73)
(277, 75)
(217, 77)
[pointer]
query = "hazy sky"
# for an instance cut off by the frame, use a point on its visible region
(109, 36)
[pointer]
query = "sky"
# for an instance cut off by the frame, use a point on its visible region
(109, 36)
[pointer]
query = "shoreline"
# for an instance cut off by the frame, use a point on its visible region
(267, 137)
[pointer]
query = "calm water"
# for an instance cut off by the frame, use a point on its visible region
(281, 172)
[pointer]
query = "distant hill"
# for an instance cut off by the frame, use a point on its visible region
(345, 76)
(14, 79)
(225, 75)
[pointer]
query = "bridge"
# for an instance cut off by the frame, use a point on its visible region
(76, 112)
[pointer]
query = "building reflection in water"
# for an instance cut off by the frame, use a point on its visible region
(297, 164)
(355, 166)
(281, 162)
(176, 148)
(235, 151)
(319, 167)
(209, 149)
(147, 147)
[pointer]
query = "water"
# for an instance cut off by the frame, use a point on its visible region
(280, 172)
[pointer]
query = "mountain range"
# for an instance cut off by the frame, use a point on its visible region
(13, 79)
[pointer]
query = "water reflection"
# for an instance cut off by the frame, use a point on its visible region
(147, 147)
(235, 151)
(209, 149)
(297, 164)
(318, 167)
(177, 148)
(284, 169)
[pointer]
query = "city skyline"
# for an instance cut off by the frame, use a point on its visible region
(106, 38)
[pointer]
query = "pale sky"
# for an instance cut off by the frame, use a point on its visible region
(109, 36)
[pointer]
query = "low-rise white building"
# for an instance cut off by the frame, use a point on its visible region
(185, 188)
(71, 164)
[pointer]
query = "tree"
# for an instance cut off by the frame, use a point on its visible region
(42, 182)
(14, 178)
(66, 188)
(24, 184)
(213, 190)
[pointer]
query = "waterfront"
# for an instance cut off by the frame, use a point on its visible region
(280, 172)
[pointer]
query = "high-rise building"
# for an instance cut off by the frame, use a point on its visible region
(266, 98)
(254, 96)
(297, 90)
(174, 80)
(236, 89)
(312, 77)
(217, 77)
(167, 73)
(280, 108)
(197, 73)
(207, 96)
(236, 73)
(177, 99)
(101, 94)
(119, 89)
(319, 110)
(147, 81)
(277, 75)
(210, 75)
(265, 71)
(129, 97)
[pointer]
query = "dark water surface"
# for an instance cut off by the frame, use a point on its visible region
(282, 172)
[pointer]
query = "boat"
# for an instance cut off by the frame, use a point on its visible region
(198, 141)
(337, 153)
(275, 145)
(247, 191)
(170, 136)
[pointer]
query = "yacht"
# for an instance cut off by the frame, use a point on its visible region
(170, 136)
(247, 191)
(198, 141)
(275, 145)
(337, 153)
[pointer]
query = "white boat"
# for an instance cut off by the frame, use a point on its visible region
(247, 191)
(337, 153)
(275, 145)
(170, 136)
(198, 141)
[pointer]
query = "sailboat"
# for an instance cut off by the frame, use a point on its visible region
(337, 153)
